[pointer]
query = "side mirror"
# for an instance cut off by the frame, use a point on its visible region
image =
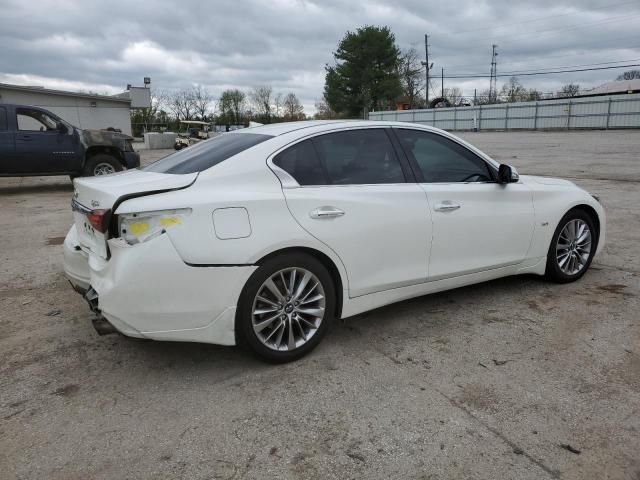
(61, 127)
(507, 174)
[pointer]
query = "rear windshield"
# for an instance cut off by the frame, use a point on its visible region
(207, 153)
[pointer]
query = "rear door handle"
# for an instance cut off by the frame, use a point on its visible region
(446, 206)
(326, 212)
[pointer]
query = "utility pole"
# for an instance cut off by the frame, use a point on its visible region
(427, 67)
(442, 82)
(493, 88)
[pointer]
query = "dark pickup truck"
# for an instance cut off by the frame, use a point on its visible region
(34, 141)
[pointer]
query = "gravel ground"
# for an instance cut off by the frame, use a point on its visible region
(511, 379)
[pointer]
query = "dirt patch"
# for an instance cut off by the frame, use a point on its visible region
(67, 391)
(616, 288)
(55, 241)
(479, 397)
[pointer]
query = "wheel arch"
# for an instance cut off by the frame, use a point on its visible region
(589, 210)
(105, 150)
(328, 263)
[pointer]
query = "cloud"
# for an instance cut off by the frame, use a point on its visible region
(103, 46)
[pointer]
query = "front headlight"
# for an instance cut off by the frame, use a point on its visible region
(139, 227)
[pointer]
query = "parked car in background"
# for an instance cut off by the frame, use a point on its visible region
(34, 141)
(263, 236)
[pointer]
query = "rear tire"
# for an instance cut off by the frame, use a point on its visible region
(101, 164)
(285, 308)
(572, 248)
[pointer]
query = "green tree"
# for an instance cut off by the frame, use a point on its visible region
(231, 106)
(365, 76)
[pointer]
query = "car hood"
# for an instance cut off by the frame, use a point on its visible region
(104, 191)
(103, 137)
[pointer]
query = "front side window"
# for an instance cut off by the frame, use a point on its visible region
(442, 160)
(207, 153)
(35, 120)
(359, 157)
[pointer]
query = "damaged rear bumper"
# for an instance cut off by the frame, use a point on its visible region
(147, 291)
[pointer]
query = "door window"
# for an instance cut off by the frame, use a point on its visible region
(441, 160)
(301, 162)
(35, 120)
(3, 118)
(357, 157)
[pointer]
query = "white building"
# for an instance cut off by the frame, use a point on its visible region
(84, 110)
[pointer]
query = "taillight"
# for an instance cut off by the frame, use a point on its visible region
(99, 219)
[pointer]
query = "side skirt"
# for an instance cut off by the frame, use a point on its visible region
(354, 306)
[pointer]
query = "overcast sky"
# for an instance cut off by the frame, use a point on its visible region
(103, 45)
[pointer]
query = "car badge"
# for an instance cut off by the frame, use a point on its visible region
(95, 203)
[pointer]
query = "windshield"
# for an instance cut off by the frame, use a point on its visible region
(207, 153)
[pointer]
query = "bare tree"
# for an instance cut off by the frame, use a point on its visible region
(629, 75)
(454, 95)
(534, 94)
(277, 103)
(483, 97)
(514, 91)
(262, 102)
(182, 104)
(411, 76)
(323, 110)
(202, 101)
(145, 117)
(569, 90)
(293, 109)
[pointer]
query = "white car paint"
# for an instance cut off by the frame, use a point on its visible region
(392, 243)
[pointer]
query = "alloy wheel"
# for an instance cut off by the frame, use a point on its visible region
(103, 169)
(573, 247)
(288, 309)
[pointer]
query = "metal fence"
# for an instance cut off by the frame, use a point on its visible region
(612, 111)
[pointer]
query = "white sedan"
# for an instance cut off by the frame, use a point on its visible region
(262, 237)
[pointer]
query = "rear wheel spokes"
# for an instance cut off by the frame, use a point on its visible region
(288, 309)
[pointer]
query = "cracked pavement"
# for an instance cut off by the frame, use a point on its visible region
(490, 381)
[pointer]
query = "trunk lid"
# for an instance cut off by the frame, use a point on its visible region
(103, 192)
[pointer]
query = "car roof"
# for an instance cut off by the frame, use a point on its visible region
(277, 129)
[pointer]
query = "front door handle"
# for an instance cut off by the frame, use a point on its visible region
(446, 206)
(326, 212)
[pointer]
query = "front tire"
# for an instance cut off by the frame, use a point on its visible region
(101, 164)
(285, 308)
(572, 247)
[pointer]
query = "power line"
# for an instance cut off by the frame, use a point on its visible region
(546, 57)
(520, 72)
(576, 26)
(481, 75)
(604, 7)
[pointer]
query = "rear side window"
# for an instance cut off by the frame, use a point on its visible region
(359, 157)
(442, 160)
(301, 162)
(207, 153)
(3, 118)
